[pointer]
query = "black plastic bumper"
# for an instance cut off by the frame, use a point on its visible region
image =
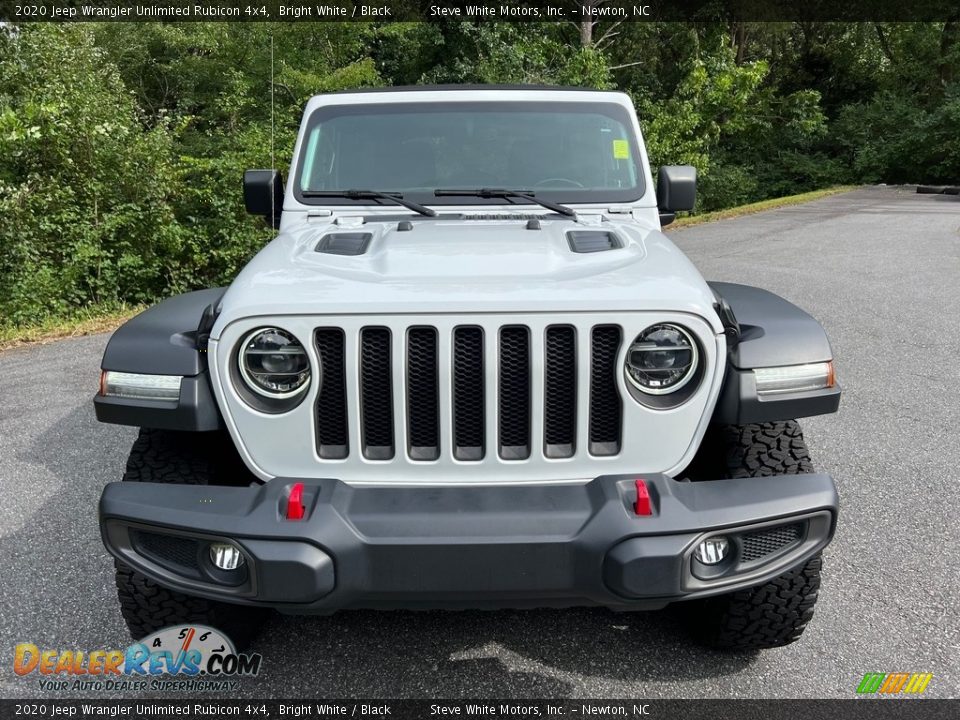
(469, 546)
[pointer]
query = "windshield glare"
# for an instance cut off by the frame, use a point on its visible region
(566, 152)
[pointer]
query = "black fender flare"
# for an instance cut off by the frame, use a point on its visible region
(166, 339)
(764, 331)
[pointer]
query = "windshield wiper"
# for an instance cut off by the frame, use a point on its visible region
(506, 194)
(371, 195)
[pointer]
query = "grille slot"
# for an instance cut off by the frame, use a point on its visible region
(376, 394)
(180, 554)
(760, 544)
(605, 408)
(514, 393)
(423, 399)
(560, 392)
(331, 408)
(468, 393)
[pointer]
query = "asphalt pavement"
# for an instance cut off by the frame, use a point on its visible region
(879, 267)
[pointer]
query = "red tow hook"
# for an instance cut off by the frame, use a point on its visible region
(295, 508)
(643, 506)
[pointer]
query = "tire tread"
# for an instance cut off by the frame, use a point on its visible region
(776, 613)
(164, 456)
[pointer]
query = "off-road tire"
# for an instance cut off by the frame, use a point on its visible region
(165, 456)
(757, 450)
(776, 613)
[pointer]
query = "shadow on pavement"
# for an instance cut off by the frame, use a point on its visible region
(449, 654)
(530, 653)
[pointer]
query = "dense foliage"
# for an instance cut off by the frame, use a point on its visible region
(122, 146)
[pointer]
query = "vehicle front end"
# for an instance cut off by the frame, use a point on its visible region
(488, 404)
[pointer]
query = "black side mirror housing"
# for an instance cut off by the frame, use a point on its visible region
(676, 190)
(263, 195)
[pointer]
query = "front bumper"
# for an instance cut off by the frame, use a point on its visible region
(468, 546)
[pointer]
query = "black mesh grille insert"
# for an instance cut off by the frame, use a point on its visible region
(171, 551)
(376, 393)
(605, 410)
(468, 387)
(758, 545)
(423, 411)
(514, 393)
(331, 407)
(560, 391)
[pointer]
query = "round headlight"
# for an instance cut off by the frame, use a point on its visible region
(274, 364)
(662, 359)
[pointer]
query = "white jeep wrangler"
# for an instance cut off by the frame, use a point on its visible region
(470, 371)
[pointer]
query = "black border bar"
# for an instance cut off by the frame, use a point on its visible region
(609, 11)
(892, 708)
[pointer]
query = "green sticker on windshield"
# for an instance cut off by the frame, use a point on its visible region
(621, 150)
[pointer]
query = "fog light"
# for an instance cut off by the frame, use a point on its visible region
(712, 550)
(226, 556)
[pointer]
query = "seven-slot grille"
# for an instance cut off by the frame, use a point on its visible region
(523, 385)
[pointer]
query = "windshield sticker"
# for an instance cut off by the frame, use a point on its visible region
(621, 150)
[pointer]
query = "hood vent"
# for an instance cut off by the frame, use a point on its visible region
(344, 243)
(501, 216)
(591, 241)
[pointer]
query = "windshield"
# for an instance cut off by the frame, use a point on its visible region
(565, 152)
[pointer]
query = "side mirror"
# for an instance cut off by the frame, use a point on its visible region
(676, 190)
(263, 195)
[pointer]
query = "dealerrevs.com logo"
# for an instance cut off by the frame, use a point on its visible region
(894, 683)
(178, 658)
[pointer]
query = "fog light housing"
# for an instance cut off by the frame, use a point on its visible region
(713, 550)
(226, 556)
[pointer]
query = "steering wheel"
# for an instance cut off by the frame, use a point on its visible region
(566, 181)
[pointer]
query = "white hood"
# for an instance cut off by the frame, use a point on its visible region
(465, 266)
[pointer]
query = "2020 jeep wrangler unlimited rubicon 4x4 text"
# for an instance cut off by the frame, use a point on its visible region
(470, 371)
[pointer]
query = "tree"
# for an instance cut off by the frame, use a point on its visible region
(84, 186)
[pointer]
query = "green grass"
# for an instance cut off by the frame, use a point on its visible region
(86, 321)
(771, 204)
(101, 318)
